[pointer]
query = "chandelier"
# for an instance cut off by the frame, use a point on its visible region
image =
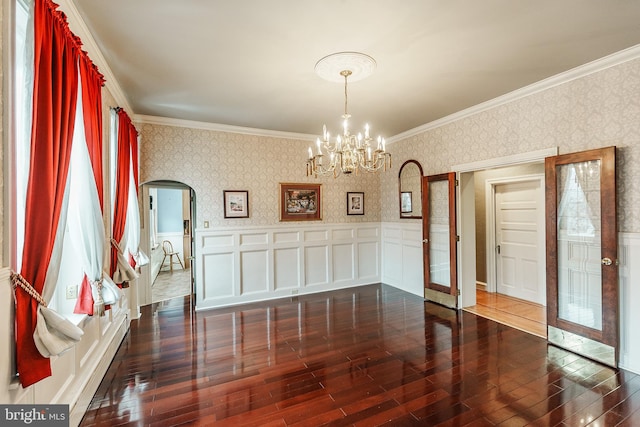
(346, 153)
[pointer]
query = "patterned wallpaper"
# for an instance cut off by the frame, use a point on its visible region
(212, 161)
(598, 110)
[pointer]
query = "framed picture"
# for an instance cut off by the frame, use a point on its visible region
(355, 203)
(236, 204)
(405, 202)
(300, 202)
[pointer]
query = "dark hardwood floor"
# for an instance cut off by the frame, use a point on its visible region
(365, 356)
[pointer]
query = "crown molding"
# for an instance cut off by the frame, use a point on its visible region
(79, 28)
(164, 121)
(581, 71)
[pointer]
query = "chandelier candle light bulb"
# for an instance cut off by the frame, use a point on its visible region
(349, 153)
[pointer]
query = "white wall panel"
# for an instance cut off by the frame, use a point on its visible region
(413, 271)
(254, 239)
(255, 270)
(629, 253)
(368, 232)
(219, 274)
(286, 268)
(343, 234)
(286, 236)
(343, 262)
(316, 235)
(402, 256)
(316, 265)
(217, 240)
(238, 265)
(368, 260)
(391, 263)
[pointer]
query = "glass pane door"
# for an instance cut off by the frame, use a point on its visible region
(439, 239)
(582, 244)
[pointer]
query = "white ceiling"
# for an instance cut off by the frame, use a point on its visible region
(250, 63)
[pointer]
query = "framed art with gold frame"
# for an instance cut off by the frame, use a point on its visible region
(300, 202)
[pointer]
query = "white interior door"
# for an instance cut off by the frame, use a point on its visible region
(519, 240)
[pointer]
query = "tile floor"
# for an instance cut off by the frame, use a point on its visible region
(171, 285)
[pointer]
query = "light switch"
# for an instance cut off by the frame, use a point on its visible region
(206, 224)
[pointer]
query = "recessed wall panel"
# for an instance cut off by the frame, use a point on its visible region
(368, 233)
(286, 236)
(217, 241)
(392, 259)
(254, 239)
(218, 275)
(316, 235)
(343, 234)
(368, 263)
(254, 272)
(286, 268)
(316, 265)
(343, 262)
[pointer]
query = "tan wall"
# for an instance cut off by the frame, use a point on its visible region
(598, 110)
(211, 161)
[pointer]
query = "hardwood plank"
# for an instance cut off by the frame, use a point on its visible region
(388, 359)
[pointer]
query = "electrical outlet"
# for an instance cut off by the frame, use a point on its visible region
(72, 292)
(206, 224)
(294, 292)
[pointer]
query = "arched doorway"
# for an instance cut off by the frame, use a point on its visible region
(168, 214)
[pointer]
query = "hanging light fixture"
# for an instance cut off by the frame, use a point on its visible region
(346, 153)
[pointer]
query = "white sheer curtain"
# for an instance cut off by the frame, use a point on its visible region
(86, 227)
(132, 226)
(24, 101)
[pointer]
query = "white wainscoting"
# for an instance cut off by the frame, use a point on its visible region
(240, 265)
(629, 254)
(402, 256)
(77, 373)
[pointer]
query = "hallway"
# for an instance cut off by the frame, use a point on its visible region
(370, 355)
(520, 314)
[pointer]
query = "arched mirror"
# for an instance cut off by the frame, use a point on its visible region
(410, 178)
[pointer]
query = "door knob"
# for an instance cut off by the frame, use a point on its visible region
(425, 241)
(606, 261)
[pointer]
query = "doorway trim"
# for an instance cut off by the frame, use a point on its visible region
(465, 213)
(490, 195)
(145, 281)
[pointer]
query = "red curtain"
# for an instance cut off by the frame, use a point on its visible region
(125, 130)
(54, 99)
(92, 82)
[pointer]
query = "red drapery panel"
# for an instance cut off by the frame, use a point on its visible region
(92, 82)
(54, 100)
(122, 183)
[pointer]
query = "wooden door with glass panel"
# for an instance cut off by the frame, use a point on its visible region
(582, 253)
(439, 244)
